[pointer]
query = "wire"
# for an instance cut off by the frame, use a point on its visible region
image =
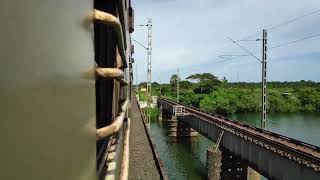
(293, 20)
(250, 36)
(295, 41)
(232, 55)
(139, 43)
(250, 39)
(245, 50)
(272, 28)
(283, 44)
(282, 24)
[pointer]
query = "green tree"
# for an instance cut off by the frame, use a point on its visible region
(173, 80)
(185, 85)
(205, 82)
(219, 102)
(310, 99)
(208, 93)
(203, 77)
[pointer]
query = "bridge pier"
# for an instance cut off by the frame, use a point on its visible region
(214, 164)
(179, 129)
(221, 164)
(173, 126)
(253, 175)
(185, 131)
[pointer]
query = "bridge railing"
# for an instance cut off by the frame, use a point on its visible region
(179, 110)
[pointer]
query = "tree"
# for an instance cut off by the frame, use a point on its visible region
(203, 77)
(205, 82)
(174, 80)
(143, 84)
(185, 85)
(310, 99)
(155, 83)
(219, 102)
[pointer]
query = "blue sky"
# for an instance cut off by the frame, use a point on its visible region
(191, 34)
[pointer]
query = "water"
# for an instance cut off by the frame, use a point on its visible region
(183, 158)
(300, 126)
(186, 158)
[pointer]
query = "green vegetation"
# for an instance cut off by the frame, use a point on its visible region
(153, 113)
(207, 92)
(142, 96)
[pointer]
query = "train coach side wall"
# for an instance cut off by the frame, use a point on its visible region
(47, 103)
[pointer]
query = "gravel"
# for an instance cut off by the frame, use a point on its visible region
(142, 164)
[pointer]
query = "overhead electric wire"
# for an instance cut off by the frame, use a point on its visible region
(228, 55)
(245, 50)
(275, 27)
(295, 41)
(293, 20)
(283, 23)
(139, 43)
(283, 44)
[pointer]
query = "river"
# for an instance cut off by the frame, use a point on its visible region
(186, 158)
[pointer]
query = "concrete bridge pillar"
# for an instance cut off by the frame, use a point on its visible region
(185, 131)
(221, 164)
(214, 164)
(179, 129)
(173, 126)
(253, 175)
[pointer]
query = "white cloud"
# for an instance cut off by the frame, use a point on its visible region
(191, 34)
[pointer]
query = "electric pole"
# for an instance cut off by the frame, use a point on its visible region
(178, 85)
(149, 25)
(263, 73)
(149, 55)
(264, 80)
(149, 49)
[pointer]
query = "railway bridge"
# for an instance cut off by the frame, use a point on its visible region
(272, 155)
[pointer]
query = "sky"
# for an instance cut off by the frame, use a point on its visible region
(192, 34)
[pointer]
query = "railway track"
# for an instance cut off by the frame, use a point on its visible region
(306, 151)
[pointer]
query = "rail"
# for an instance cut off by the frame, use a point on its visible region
(308, 151)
